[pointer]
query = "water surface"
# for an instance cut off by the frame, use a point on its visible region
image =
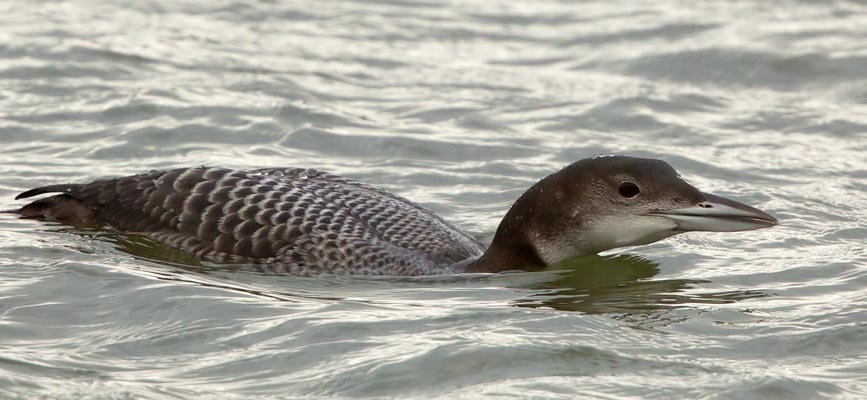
(459, 106)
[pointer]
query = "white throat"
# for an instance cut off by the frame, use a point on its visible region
(604, 233)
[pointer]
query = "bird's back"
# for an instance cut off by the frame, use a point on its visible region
(293, 220)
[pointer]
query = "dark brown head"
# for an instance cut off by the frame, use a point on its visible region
(602, 203)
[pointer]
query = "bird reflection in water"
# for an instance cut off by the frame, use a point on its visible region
(622, 285)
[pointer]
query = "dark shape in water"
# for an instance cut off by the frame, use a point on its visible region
(306, 222)
(621, 285)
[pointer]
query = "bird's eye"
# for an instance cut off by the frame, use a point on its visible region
(628, 189)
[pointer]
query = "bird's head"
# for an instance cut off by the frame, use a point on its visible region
(603, 203)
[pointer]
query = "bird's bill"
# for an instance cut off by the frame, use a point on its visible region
(718, 214)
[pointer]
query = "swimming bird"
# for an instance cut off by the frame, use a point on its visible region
(306, 222)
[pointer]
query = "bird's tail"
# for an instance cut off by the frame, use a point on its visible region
(65, 188)
(65, 207)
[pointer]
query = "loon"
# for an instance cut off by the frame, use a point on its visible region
(306, 222)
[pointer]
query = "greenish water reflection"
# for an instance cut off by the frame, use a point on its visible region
(620, 284)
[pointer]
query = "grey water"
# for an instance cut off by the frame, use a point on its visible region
(460, 106)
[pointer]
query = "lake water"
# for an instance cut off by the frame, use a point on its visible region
(459, 106)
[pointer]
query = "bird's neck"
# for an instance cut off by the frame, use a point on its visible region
(508, 256)
(513, 247)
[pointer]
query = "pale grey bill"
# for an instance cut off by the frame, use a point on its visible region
(718, 214)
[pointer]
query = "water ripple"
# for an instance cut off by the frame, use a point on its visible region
(460, 106)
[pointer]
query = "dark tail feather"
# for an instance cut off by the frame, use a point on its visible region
(50, 207)
(62, 207)
(65, 188)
